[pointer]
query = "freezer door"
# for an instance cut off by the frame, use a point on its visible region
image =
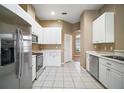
(9, 73)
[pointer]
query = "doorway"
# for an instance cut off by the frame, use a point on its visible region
(67, 48)
(76, 46)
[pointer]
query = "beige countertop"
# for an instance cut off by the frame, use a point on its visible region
(45, 51)
(102, 54)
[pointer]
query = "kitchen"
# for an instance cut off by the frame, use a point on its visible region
(39, 47)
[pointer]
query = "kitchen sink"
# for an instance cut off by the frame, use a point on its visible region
(121, 58)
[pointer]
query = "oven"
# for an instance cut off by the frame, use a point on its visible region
(34, 38)
(39, 64)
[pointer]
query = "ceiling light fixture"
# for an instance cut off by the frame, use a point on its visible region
(52, 13)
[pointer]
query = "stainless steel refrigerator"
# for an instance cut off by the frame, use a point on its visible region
(15, 52)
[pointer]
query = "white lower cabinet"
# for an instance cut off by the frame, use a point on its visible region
(52, 58)
(33, 67)
(110, 77)
(117, 79)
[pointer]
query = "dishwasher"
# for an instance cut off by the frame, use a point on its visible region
(94, 66)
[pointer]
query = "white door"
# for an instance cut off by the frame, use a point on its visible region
(67, 48)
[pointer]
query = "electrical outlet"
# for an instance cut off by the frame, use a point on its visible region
(95, 47)
(111, 48)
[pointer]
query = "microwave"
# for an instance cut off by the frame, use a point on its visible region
(34, 38)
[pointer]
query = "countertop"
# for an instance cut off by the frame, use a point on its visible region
(101, 54)
(37, 52)
(44, 51)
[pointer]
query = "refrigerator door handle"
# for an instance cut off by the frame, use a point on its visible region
(18, 54)
(22, 53)
(0, 52)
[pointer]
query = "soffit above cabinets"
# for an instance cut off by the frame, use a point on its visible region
(43, 11)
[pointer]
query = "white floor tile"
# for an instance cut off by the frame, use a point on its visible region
(69, 76)
(79, 85)
(48, 84)
(90, 85)
(68, 85)
(58, 84)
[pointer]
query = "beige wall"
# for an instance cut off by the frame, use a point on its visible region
(86, 33)
(86, 28)
(29, 9)
(119, 27)
(76, 26)
(50, 23)
(119, 24)
(74, 42)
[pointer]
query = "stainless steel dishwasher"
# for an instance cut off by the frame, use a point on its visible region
(94, 66)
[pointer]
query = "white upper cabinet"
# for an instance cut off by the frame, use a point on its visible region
(103, 28)
(38, 31)
(52, 35)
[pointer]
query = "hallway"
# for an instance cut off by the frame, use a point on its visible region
(70, 76)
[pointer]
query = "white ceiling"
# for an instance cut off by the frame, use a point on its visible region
(43, 11)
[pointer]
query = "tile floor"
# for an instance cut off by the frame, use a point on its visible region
(69, 76)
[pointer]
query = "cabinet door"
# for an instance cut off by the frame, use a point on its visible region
(116, 80)
(58, 36)
(102, 74)
(57, 59)
(109, 28)
(34, 29)
(110, 77)
(105, 75)
(52, 36)
(101, 29)
(52, 59)
(95, 32)
(40, 36)
(48, 36)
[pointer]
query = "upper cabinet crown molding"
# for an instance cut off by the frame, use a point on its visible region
(103, 28)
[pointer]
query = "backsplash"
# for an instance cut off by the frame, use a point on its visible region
(50, 46)
(104, 47)
(35, 47)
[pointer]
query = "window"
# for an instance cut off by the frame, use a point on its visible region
(77, 43)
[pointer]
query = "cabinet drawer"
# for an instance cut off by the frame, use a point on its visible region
(112, 64)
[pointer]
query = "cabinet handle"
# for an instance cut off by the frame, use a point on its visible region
(108, 63)
(108, 69)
